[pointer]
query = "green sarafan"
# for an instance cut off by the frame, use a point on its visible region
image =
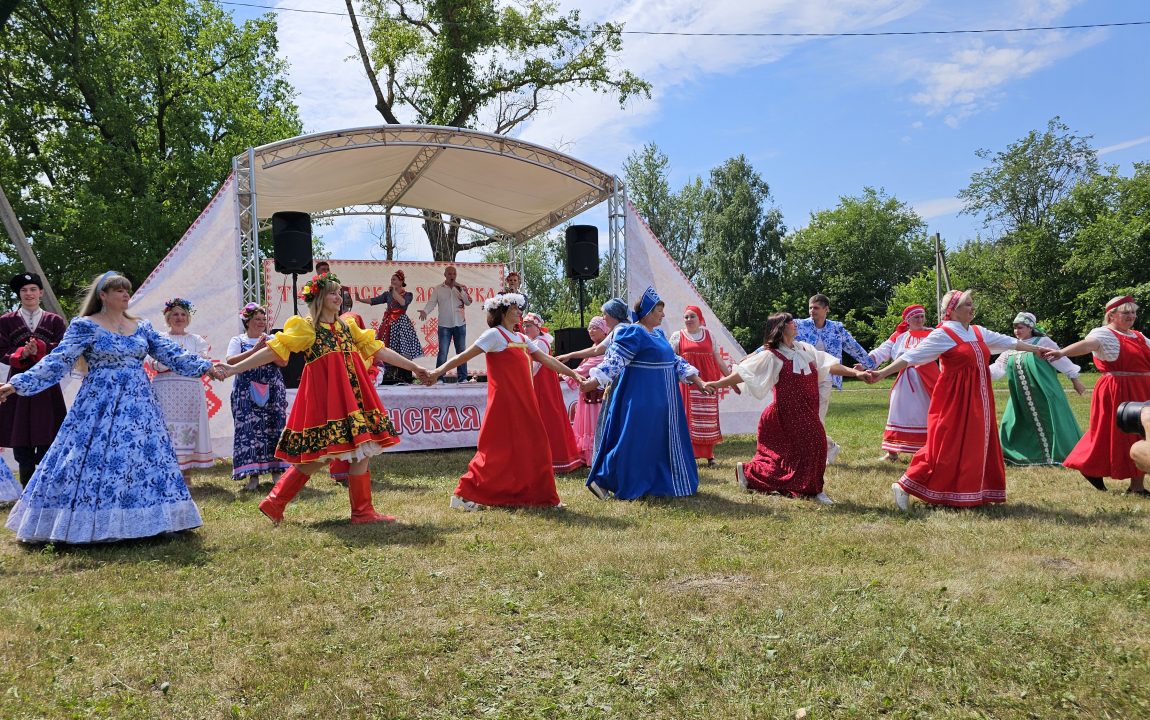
(723, 605)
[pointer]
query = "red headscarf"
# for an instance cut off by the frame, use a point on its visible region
(698, 313)
(906, 313)
(1118, 302)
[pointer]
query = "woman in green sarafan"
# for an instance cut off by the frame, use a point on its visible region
(1038, 427)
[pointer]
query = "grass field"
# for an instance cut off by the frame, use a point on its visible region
(725, 605)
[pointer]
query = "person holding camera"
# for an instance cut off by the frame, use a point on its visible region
(1122, 355)
(1140, 451)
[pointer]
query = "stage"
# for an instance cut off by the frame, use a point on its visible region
(447, 415)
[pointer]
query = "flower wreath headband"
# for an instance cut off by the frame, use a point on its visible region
(179, 302)
(505, 300)
(247, 312)
(315, 286)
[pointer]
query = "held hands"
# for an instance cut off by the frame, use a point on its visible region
(431, 377)
(423, 375)
(1051, 355)
(588, 385)
(870, 377)
(220, 371)
(5, 390)
(1078, 386)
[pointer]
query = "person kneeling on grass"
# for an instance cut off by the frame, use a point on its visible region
(791, 452)
(337, 415)
(505, 472)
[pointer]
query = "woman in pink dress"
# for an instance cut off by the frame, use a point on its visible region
(587, 408)
(695, 344)
(791, 452)
(1122, 355)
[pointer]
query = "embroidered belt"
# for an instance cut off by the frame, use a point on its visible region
(1119, 373)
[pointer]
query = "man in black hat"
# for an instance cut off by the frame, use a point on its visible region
(28, 425)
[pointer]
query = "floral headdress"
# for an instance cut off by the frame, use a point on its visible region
(179, 302)
(247, 312)
(312, 288)
(505, 300)
(535, 320)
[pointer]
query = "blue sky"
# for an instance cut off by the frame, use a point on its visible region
(818, 118)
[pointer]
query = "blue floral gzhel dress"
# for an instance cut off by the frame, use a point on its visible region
(259, 411)
(112, 473)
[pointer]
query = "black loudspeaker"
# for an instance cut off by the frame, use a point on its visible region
(582, 252)
(293, 371)
(569, 340)
(291, 240)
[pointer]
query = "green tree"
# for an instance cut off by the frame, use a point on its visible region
(742, 249)
(674, 218)
(856, 254)
(119, 120)
(464, 63)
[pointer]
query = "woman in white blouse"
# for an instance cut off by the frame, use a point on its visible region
(791, 448)
(183, 400)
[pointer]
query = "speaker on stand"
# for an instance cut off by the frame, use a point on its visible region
(291, 250)
(582, 259)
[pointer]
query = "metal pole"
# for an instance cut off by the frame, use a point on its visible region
(937, 280)
(27, 256)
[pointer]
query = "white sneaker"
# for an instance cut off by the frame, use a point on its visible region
(901, 497)
(598, 491)
(458, 503)
(833, 453)
(824, 499)
(741, 477)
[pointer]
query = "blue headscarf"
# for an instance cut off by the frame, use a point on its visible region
(616, 308)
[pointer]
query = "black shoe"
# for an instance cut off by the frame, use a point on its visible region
(1096, 482)
(1143, 492)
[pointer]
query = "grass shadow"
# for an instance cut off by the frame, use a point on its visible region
(572, 518)
(397, 533)
(711, 503)
(1005, 511)
(184, 548)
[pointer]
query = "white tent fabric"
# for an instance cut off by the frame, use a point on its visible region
(204, 267)
(649, 265)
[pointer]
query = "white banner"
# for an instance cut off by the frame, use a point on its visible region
(204, 267)
(649, 265)
(370, 278)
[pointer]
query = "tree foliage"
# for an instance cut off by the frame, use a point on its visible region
(119, 120)
(675, 218)
(476, 63)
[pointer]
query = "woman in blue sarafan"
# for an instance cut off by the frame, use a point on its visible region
(645, 447)
(112, 472)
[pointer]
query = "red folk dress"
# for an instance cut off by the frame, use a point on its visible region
(1104, 451)
(961, 464)
(512, 463)
(337, 413)
(791, 448)
(702, 410)
(565, 455)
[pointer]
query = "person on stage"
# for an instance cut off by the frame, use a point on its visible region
(587, 408)
(905, 430)
(565, 456)
(791, 451)
(183, 400)
(1122, 355)
(961, 464)
(695, 344)
(512, 464)
(28, 425)
(645, 446)
(337, 413)
(451, 298)
(1038, 426)
(395, 329)
(259, 403)
(112, 472)
(831, 337)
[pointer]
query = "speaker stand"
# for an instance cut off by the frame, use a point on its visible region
(582, 301)
(295, 291)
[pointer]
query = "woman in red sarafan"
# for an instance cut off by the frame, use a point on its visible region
(565, 456)
(502, 472)
(336, 415)
(1122, 355)
(961, 464)
(695, 344)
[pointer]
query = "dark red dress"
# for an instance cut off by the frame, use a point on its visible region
(791, 452)
(961, 464)
(512, 463)
(1104, 451)
(565, 455)
(34, 420)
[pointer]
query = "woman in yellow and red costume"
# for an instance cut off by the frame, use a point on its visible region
(336, 415)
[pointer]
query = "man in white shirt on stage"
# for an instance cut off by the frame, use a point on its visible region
(450, 297)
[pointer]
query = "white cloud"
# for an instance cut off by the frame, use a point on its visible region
(938, 207)
(1125, 145)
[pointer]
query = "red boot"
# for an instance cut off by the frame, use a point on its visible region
(362, 512)
(289, 484)
(339, 470)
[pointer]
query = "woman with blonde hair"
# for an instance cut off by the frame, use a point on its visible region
(183, 400)
(337, 414)
(1122, 355)
(961, 463)
(112, 473)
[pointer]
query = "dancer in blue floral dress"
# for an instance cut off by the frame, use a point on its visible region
(259, 403)
(112, 473)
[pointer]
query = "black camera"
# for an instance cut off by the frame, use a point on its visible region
(1129, 417)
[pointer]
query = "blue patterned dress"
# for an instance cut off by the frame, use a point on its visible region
(9, 489)
(112, 473)
(257, 426)
(645, 446)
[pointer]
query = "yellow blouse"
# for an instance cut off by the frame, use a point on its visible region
(299, 335)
